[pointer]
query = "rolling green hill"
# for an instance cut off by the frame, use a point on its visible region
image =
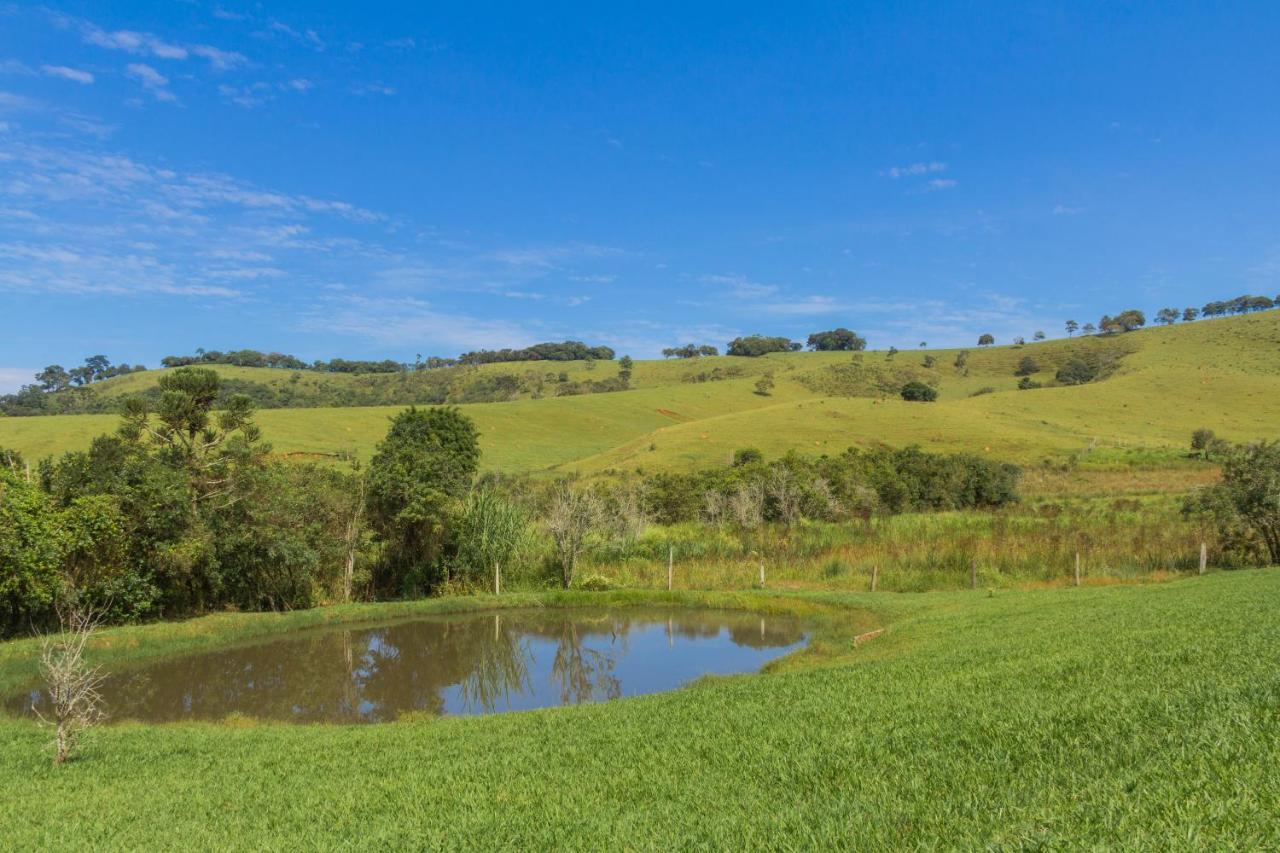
(1157, 385)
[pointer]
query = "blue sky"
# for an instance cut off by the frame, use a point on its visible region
(379, 180)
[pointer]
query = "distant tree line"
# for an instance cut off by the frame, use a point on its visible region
(563, 351)
(690, 351)
(95, 369)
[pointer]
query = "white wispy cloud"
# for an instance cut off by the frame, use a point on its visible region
(372, 89)
(914, 169)
(149, 45)
(13, 378)
(740, 286)
(402, 321)
(156, 84)
(73, 74)
(807, 306)
(942, 184)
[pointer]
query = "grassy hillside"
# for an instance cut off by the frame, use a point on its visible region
(975, 722)
(1159, 385)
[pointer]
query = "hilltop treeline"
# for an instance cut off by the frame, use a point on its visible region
(563, 351)
(549, 351)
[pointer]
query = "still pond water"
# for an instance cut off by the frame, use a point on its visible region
(461, 664)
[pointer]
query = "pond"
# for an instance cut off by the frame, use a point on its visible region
(478, 663)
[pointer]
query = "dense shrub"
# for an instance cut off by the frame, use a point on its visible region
(856, 483)
(919, 392)
(1076, 371)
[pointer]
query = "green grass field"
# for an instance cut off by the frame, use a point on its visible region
(1142, 717)
(1223, 374)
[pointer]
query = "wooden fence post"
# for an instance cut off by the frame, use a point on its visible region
(1204, 557)
(671, 557)
(875, 576)
(1077, 568)
(973, 573)
(762, 571)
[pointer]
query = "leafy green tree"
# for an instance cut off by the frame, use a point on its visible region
(1039, 336)
(1072, 327)
(754, 346)
(1126, 321)
(962, 359)
(916, 391)
(1189, 314)
(625, 366)
(1168, 316)
(1248, 497)
(53, 378)
(764, 385)
(212, 448)
(30, 554)
(418, 479)
(491, 533)
(986, 340)
(1027, 366)
(1206, 443)
(841, 339)
(98, 366)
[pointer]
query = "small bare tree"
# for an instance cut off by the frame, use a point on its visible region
(784, 491)
(74, 702)
(632, 517)
(746, 504)
(571, 517)
(713, 507)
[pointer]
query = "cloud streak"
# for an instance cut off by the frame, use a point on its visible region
(73, 74)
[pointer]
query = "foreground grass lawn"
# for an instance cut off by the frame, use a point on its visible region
(1134, 716)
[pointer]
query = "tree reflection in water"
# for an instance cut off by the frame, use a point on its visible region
(583, 672)
(500, 669)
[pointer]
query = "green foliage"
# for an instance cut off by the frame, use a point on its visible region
(418, 478)
(747, 456)
(1027, 366)
(1026, 383)
(986, 340)
(854, 484)
(1125, 321)
(764, 385)
(919, 392)
(754, 346)
(840, 339)
(1076, 371)
(551, 351)
(1246, 504)
(31, 550)
(491, 533)
(595, 583)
